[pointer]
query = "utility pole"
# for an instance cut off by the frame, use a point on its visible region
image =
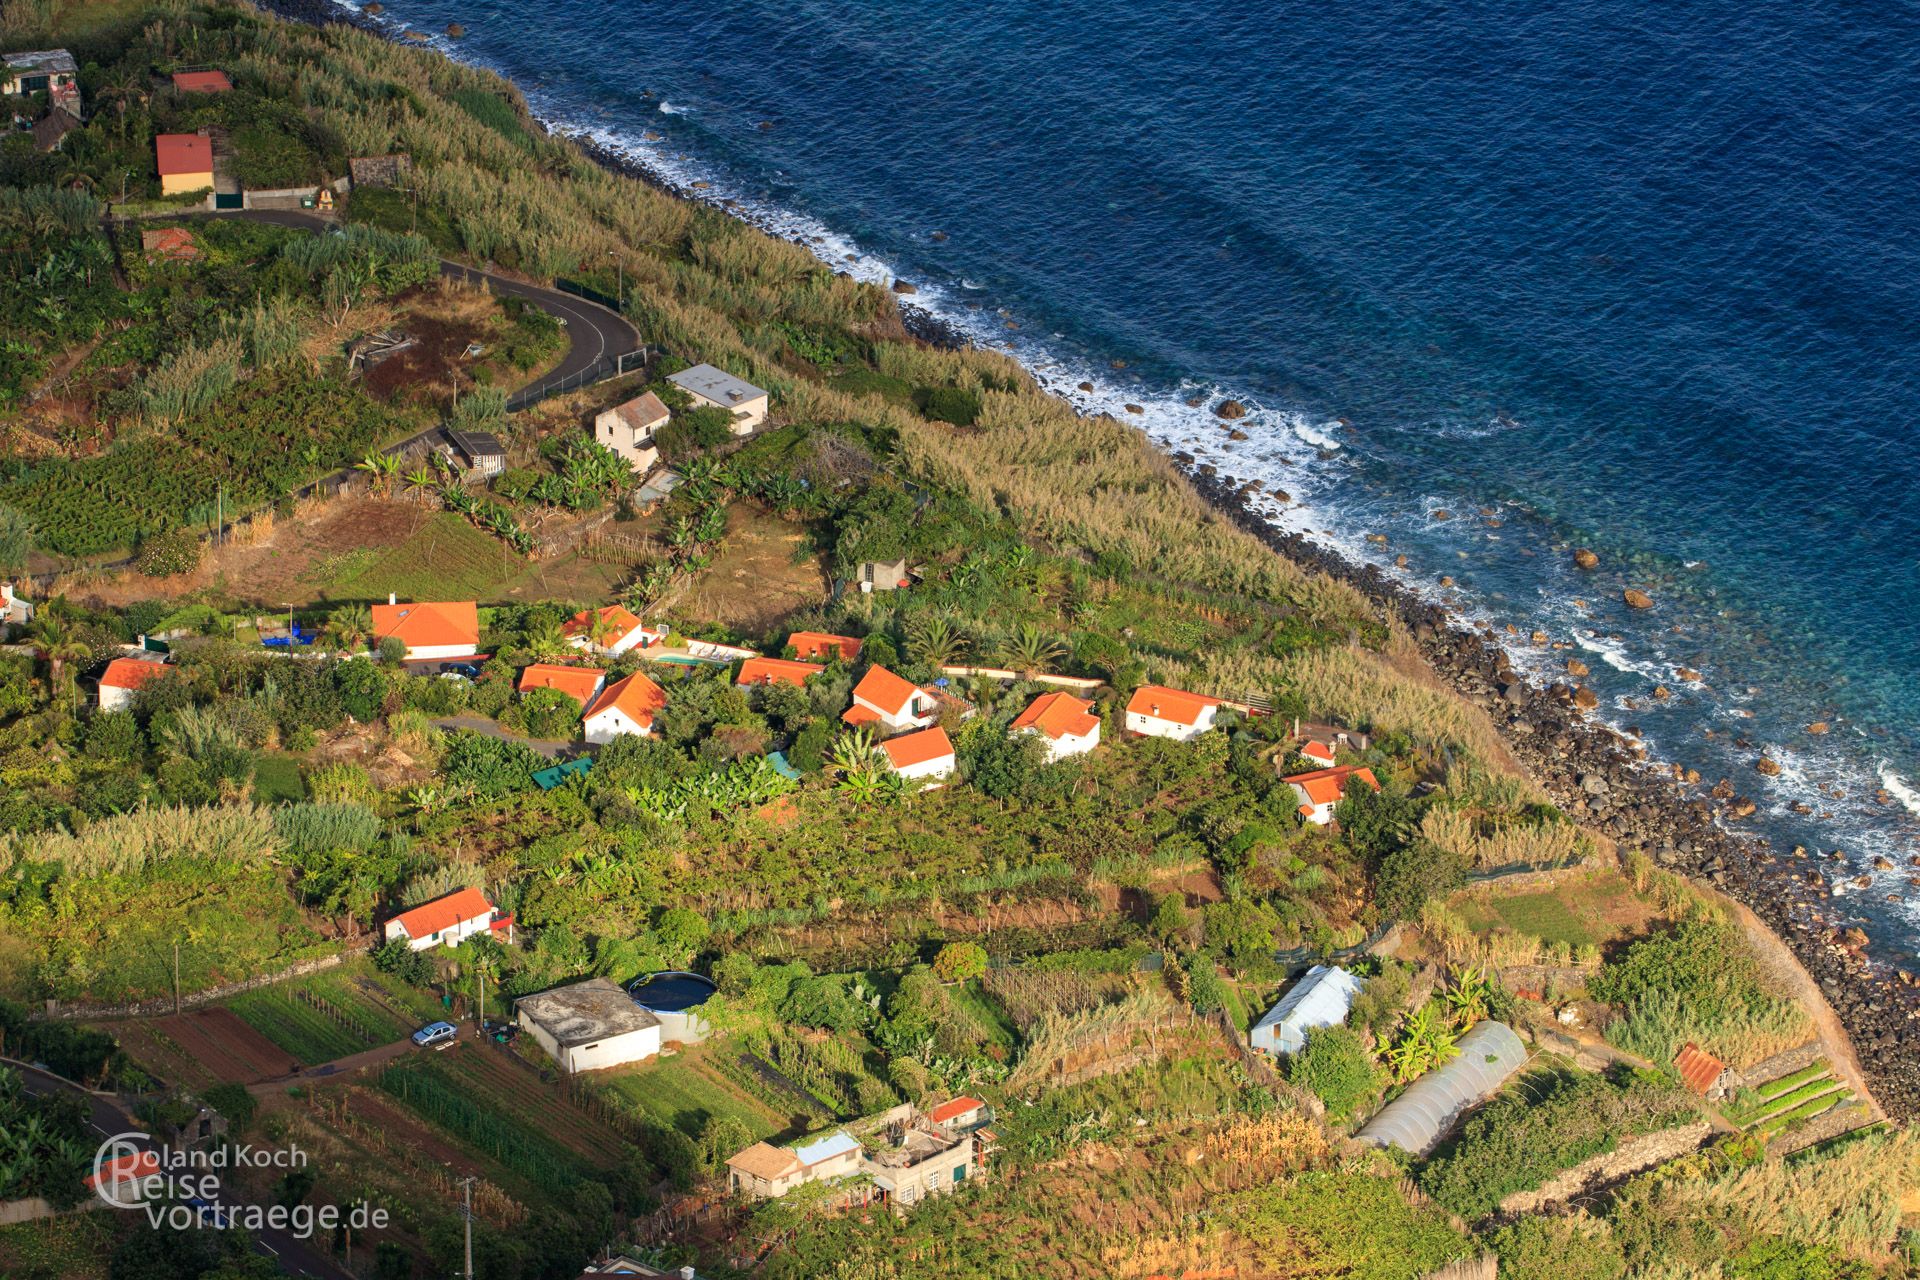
(466, 1212)
(176, 975)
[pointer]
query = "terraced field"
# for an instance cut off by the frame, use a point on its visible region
(1771, 1108)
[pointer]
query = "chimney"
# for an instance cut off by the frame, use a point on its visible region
(686, 1273)
(392, 599)
(1155, 709)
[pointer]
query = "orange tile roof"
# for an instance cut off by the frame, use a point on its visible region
(201, 81)
(624, 623)
(1326, 786)
(958, 1107)
(428, 623)
(170, 242)
(822, 646)
(442, 914)
(1698, 1068)
(885, 690)
(578, 683)
(1174, 705)
(1059, 715)
(910, 749)
(859, 715)
(131, 673)
(636, 697)
(776, 671)
(1317, 750)
(182, 153)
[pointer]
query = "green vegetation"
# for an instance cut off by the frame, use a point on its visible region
(1698, 982)
(437, 1096)
(1544, 1123)
(1337, 1068)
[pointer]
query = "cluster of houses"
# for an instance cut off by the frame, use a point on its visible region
(36, 71)
(914, 1155)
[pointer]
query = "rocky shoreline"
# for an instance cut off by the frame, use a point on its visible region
(1598, 775)
(1603, 779)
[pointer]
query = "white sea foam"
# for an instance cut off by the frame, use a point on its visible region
(1898, 787)
(668, 109)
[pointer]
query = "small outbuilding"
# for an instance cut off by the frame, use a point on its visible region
(882, 575)
(926, 756)
(760, 672)
(380, 171)
(716, 388)
(201, 81)
(1416, 1120)
(482, 451)
(125, 677)
(589, 1026)
(1322, 998)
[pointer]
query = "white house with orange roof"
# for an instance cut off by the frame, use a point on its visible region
(926, 755)
(757, 672)
(625, 706)
(125, 677)
(444, 922)
(1321, 753)
(430, 628)
(1156, 711)
(892, 702)
(625, 631)
(1321, 790)
(823, 646)
(1066, 724)
(579, 683)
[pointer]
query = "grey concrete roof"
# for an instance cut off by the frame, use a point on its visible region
(1417, 1119)
(41, 60)
(585, 1011)
(716, 385)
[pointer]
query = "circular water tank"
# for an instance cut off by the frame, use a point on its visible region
(674, 996)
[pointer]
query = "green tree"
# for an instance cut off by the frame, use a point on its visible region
(960, 962)
(1337, 1068)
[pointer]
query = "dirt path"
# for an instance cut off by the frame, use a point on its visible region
(549, 747)
(337, 1069)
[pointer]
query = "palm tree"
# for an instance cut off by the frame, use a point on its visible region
(63, 650)
(936, 641)
(350, 626)
(543, 638)
(1031, 649)
(601, 630)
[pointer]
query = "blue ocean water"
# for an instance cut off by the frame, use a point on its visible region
(1639, 278)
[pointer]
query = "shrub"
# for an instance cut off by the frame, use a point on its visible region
(693, 431)
(167, 554)
(1697, 982)
(234, 1102)
(956, 405)
(1412, 875)
(403, 962)
(543, 713)
(960, 962)
(1544, 1248)
(1337, 1068)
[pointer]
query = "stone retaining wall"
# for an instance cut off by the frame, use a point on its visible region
(160, 1006)
(1635, 1157)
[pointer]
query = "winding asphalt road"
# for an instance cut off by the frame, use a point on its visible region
(295, 1256)
(594, 332)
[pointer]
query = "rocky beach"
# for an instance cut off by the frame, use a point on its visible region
(1604, 778)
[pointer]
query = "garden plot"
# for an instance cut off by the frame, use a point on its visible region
(201, 1048)
(691, 1088)
(326, 1016)
(1771, 1108)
